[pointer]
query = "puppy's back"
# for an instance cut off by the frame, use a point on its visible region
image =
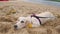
(49, 16)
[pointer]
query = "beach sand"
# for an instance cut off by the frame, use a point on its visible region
(10, 11)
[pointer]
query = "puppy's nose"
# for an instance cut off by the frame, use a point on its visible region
(15, 26)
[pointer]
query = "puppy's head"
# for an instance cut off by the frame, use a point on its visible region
(21, 22)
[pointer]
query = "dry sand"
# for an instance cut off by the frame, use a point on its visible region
(10, 11)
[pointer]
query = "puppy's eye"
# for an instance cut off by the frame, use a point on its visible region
(22, 21)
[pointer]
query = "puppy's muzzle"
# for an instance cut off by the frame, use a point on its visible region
(15, 26)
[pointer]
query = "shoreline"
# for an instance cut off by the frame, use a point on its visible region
(45, 2)
(17, 2)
